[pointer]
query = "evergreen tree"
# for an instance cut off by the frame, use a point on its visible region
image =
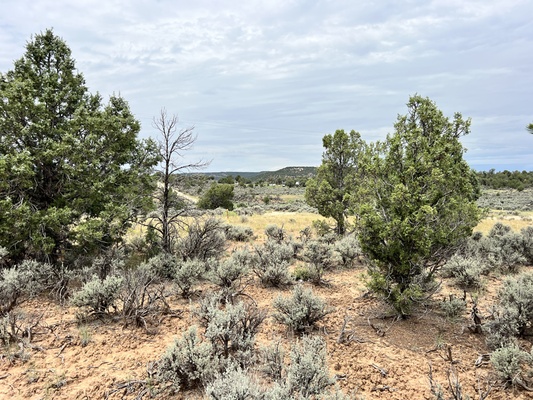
(420, 202)
(73, 171)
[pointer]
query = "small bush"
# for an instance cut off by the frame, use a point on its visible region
(163, 265)
(513, 313)
(511, 363)
(188, 363)
(453, 307)
(187, 274)
(271, 361)
(232, 331)
(527, 244)
(141, 294)
(272, 263)
(275, 233)
(301, 311)
(205, 239)
(239, 233)
(234, 384)
(230, 275)
(466, 272)
(307, 374)
(98, 295)
(320, 258)
(20, 283)
(348, 250)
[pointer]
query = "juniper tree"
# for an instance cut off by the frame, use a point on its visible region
(419, 202)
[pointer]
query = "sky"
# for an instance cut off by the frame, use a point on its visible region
(262, 82)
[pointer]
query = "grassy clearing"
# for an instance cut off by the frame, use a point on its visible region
(292, 222)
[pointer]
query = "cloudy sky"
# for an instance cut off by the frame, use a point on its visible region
(263, 81)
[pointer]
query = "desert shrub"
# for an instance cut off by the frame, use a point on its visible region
(348, 250)
(275, 233)
(141, 294)
(271, 359)
(16, 326)
(453, 307)
(512, 364)
(503, 248)
(466, 272)
(307, 374)
(163, 264)
(187, 274)
(513, 314)
(205, 239)
(301, 311)
(321, 227)
(188, 363)
(527, 244)
(21, 282)
(229, 275)
(98, 295)
(320, 258)
(238, 233)
(234, 384)
(231, 329)
(272, 263)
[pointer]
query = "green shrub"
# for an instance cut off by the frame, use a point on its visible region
(513, 313)
(320, 258)
(301, 311)
(231, 329)
(99, 295)
(229, 275)
(272, 263)
(21, 282)
(187, 274)
(271, 361)
(141, 294)
(234, 384)
(466, 272)
(307, 374)
(238, 233)
(275, 233)
(511, 363)
(188, 363)
(348, 250)
(527, 244)
(453, 307)
(163, 265)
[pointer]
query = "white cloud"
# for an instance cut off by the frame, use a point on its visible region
(264, 81)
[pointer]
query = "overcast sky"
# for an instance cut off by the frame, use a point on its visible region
(263, 81)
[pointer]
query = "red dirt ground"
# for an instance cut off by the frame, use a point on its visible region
(381, 358)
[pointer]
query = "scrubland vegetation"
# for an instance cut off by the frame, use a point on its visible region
(256, 292)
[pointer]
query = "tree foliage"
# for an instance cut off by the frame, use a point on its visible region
(331, 192)
(218, 195)
(419, 202)
(73, 172)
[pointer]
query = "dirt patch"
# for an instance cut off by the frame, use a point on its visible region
(370, 352)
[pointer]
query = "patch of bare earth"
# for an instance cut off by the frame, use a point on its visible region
(371, 353)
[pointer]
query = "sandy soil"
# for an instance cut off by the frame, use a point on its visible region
(377, 356)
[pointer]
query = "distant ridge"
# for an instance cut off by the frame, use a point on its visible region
(269, 176)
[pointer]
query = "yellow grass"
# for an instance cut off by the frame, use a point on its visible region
(292, 222)
(516, 222)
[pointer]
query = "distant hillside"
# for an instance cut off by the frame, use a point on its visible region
(298, 173)
(285, 173)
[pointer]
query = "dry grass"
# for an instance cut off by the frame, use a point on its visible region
(292, 222)
(516, 221)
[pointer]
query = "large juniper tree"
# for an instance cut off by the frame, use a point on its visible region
(73, 171)
(420, 202)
